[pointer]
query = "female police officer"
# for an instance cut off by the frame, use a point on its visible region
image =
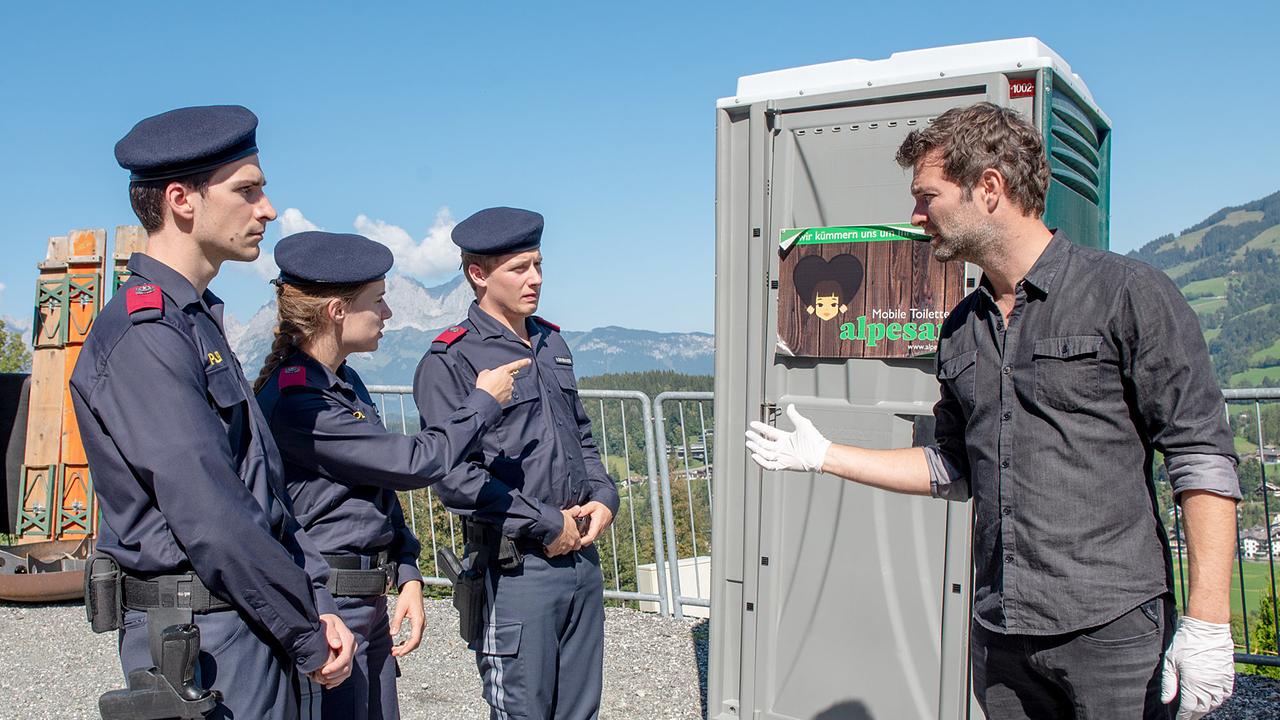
(342, 466)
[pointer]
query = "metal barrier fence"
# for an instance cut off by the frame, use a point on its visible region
(660, 452)
(692, 460)
(622, 424)
(1245, 409)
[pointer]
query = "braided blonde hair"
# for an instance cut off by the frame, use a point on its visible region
(301, 313)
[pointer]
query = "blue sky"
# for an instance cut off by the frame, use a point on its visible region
(398, 120)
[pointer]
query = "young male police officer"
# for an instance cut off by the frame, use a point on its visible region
(1060, 375)
(194, 509)
(537, 477)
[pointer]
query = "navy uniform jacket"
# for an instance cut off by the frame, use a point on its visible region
(342, 466)
(540, 459)
(186, 472)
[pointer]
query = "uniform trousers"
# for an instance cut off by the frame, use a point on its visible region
(234, 659)
(370, 692)
(1109, 671)
(540, 651)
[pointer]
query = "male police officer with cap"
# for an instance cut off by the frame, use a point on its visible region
(194, 510)
(536, 480)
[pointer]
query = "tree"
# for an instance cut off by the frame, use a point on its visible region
(1263, 629)
(14, 355)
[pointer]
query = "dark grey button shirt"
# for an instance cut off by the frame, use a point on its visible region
(1049, 423)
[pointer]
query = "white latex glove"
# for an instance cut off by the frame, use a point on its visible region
(1200, 662)
(802, 449)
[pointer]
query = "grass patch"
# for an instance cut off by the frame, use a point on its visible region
(1255, 377)
(1208, 306)
(1182, 268)
(1191, 239)
(1211, 287)
(1267, 356)
(1268, 239)
(1257, 578)
(1244, 448)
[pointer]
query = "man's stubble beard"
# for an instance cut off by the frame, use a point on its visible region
(970, 242)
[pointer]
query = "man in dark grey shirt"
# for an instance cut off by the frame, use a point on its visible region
(1061, 375)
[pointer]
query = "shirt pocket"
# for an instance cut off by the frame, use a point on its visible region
(1068, 371)
(568, 384)
(225, 389)
(524, 389)
(960, 375)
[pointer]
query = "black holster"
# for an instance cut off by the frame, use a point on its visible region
(485, 546)
(468, 590)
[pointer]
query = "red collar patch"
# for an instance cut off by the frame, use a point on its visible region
(551, 325)
(143, 297)
(291, 376)
(451, 335)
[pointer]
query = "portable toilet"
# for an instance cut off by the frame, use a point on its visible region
(831, 600)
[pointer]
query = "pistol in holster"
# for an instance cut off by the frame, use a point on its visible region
(468, 591)
(168, 689)
(485, 546)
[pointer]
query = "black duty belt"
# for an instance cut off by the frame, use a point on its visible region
(349, 576)
(495, 545)
(170, 591)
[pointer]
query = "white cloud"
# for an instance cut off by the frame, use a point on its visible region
(433, 257)
(293, 221)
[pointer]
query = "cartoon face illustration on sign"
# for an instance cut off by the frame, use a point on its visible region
(826, 286)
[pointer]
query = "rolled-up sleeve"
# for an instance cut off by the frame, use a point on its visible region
(946, 481)
(1195, 471)
(947, 456)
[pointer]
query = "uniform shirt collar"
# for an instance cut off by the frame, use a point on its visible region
(490, 327)
(323, 376)
(172, 283)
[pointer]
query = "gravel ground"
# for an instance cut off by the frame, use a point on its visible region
(55, 668)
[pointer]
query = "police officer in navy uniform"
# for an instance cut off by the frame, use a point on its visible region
(534, 482)
(342, 466)
(189, 481)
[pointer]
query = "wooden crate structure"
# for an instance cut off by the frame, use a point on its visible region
(56, 487)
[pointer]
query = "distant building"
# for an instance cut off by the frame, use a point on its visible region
(1254, 542)
(1250, 548)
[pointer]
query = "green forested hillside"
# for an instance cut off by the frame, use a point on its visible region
(1228, 267)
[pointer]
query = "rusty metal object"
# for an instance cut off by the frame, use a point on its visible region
(44, 571)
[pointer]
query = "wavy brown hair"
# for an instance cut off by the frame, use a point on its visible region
(300, 315)
(984, 136)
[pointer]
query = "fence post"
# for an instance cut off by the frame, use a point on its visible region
(655, 497)
(672, 549)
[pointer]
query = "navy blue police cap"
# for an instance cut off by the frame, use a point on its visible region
(499, 231)
(187, 141)
(317, 257)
